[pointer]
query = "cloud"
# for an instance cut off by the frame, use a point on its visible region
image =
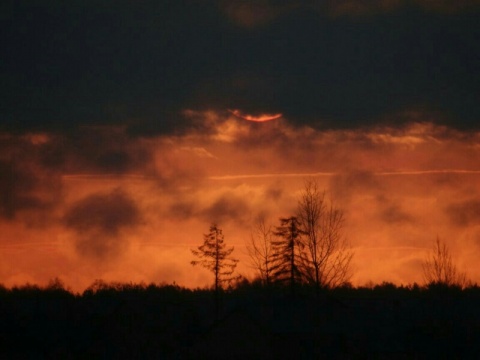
(396, 184)
(254, 14)
(274, 192)
(99, 220)
(227, 208)
(345, 186)
(362, 8)
(325, 69)
(182, 210)
(16, 190)
(464, 213)
(251, 14)
(28, 189)
(395, 214)
(97, 149)
(107, 213)
(449, 7)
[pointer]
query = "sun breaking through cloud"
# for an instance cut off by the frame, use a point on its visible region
(117, 148)
(256, 118)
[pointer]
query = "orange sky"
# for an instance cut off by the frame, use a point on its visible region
(127, 130)
(399, 189)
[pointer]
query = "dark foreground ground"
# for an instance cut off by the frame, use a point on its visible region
(127, 321)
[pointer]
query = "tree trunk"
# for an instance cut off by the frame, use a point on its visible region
(217, 270)
(292, 265)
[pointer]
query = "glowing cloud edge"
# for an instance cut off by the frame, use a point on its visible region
(259, 118)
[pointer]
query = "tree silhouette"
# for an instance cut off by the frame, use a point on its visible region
(260, 250)
(215, 256)
(439, 268)
(287, 250)
(328, 256)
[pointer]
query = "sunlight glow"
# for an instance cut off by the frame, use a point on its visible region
(258, 118)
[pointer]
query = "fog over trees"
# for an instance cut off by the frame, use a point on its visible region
(328, 255)
(260, 251)
(440, 269)
(309, 247)
(300, 304)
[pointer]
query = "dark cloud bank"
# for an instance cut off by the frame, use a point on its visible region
(224, 208)
(98, 221)
(27, 184)
(329, 64)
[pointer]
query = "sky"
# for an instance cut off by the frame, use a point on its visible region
(128, 127)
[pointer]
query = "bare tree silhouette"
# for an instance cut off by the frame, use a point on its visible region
(287, 250)
(328, 256)
(439, 268)
(260, 250)
(216, 257)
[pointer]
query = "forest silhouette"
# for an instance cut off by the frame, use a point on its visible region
(166, 321)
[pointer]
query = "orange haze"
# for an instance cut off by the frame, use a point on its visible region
(84, 219)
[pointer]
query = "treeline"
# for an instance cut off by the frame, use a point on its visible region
(308, 248)
(240, 288)
(117, 320)
(305, 248)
